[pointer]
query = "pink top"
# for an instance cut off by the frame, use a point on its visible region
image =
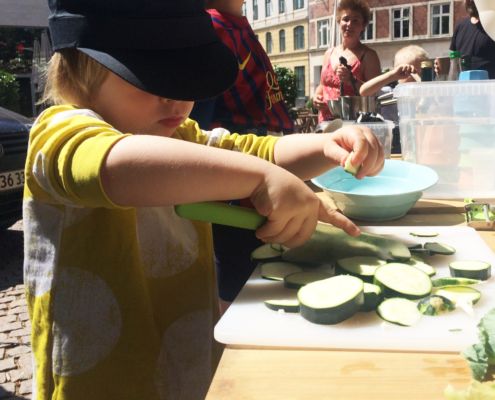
(331, 84)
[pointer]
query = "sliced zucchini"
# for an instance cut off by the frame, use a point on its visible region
(288, 305)
(267, 252)
(415, 246)
(419, 263)
(348, 167)
(435, 305)
(331, 300)
(400, 311)
(402, 280)
(423, 233)
(459, 294)
(363, 267)
(439, 248)
(278, 270)
(439, 282)
(372, 297)
(471, 269)
(299, 279)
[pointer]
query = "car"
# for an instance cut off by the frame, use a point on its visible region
(14, 135)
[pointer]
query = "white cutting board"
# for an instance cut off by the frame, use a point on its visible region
(248, 322)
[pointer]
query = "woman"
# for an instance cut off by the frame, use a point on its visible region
(353, 17)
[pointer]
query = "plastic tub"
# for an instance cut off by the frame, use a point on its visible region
(382, 130)
(450, 127)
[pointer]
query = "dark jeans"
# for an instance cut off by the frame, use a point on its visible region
(233, 247)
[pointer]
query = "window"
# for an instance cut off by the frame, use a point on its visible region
(255, 9)
(298, 38)
(298, 4)
(323, 31)
(269, 43)
(368, 32)
(440, 19)
(244, 11)
(300, 81)
(281, 6)
(317, 71)
(401, 21)
(268, 8)
(281, 40)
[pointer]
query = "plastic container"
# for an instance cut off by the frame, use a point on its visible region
(382, 130)
(450, 127)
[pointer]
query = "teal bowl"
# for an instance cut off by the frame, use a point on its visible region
(384, 197)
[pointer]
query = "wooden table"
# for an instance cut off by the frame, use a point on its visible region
(286, 374)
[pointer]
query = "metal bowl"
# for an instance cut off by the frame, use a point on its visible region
(348, 107)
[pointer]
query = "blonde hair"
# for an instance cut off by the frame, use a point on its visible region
(72, 78)
(410, 55)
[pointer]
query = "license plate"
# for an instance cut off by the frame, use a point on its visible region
(11, 180)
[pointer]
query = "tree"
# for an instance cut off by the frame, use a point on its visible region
(287, 81)
(9, 91)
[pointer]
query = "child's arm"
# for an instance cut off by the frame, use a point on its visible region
(143, 170)
(372, 86)
(309, 155)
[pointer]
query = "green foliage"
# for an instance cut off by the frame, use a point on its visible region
(287, 81)
(9, 91)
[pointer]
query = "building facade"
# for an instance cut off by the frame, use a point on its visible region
(394, 24)
(282, 29)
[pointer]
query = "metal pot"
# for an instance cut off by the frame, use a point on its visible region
(348, 107)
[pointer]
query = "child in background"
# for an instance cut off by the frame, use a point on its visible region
(407, 61)
(254, 104)
(121, 291)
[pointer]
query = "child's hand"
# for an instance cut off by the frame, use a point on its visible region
(292, 210)
(367, 151)
(404, 71)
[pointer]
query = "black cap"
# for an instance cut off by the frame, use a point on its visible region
(165, 47)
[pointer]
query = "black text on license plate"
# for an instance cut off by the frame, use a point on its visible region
(11, 180)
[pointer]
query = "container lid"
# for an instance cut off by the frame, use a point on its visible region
(445, 88)
(473, 75)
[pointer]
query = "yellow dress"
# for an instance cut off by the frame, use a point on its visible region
(122, 300)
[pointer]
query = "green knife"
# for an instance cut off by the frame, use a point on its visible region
(221, 214)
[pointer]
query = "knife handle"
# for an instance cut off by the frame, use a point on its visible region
(222, 214)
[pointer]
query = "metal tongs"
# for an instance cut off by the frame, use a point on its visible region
(480, 216)
(343, 61)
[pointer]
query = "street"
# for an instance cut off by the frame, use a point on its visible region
(15, 351)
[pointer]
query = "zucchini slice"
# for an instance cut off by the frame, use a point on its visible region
(402, 280)
(400, 311)
(372, 297)
(418, 262)
(439, 282)
(299, 279)
(435, 305)
(363, 267)
(459, 294)
(439, 248)
(349, 167)
(278, 270)
(331, 300)
(471, 269)
(267, 252)
(287, 305)
(423, 233)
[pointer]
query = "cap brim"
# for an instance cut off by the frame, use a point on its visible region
(181, 74)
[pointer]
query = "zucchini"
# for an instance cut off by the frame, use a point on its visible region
(348, 167)
(439, 248)
(415, 246)
(400, 311)
(423, 233)
(402, 280)
(267, 252)
(418, 262)
(329, 243)
(459, 294)
(278, 270)
(439, 282)
(363, 267)
(299, 279)
(372, 297)
(331, 300)
(471, 269)
(435, 305)
(287, 305)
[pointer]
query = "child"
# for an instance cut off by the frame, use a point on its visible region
(121, 291)
(254, 104)
(407, 61)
